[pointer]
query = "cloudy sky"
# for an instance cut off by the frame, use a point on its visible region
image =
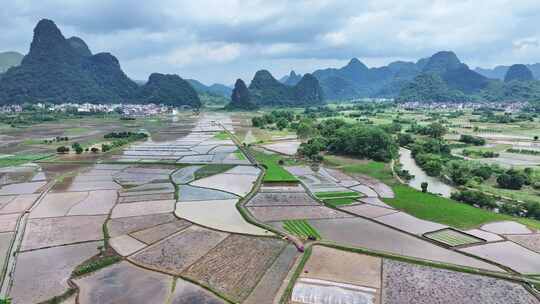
(221, 40)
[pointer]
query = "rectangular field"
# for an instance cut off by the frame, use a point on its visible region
(275, 173)
(301, 228)
(452, 238)
(338, 198)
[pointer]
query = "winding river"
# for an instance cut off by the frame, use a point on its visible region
(435, 185)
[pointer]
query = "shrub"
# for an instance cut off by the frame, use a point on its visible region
(474, 198)
(511, 179)
(469, 139)
(62, 149)
(424, 186)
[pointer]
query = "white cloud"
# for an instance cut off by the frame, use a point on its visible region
(219, 40)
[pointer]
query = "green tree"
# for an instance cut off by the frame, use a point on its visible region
(511, 179)
(436, 130)
(282, 123)
(424, 186)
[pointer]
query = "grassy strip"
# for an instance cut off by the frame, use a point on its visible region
(275, 173)
(442, 210)
(337, 194)
(288, 291)
(106, 235)
(95, 265)
(336, 202)
(239, 155)
(212, 169)
(377, 170)
(16, 160)
(222, 135)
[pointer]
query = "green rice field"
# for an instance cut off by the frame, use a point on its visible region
(452, 237)
(301, 228)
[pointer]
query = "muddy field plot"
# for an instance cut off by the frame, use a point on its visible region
(174, 254)
(184, 175)
(223, 216)
(127, 225)
(529, 241)
(22, 188)
(408, 283)
(235, 266)
(288, 188)
(345, 267)
(506, 227)
(188, 193)
(367, 210)
(36, 279)
(8, 222)
(335, 276)
(282, 199)
(241, 186)
(279, 213)
(56, 231)
(142, 208)
(124, 283)
(18, 204)
(188, 293)
(378, 237)
(156, 233)
(508, 254)
(145, 197)
(268, 287)
(409, 223)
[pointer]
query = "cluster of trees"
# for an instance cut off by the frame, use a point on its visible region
(481, 154)
(77, 147)
(430, 154)
(482, 200)
(523, 151)
(125, 134)
(279, 118)
(475, 198)
(121, 138)
(354, 139)
(57, 139)
(473, 140)
(514, 179)
(434, 130)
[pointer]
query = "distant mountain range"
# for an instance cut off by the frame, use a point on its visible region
(356, 80)
(499, 71)
(265, 90)
(445, 79)
(58, 70)
(9, 59)
(215, 89)
(291, 79)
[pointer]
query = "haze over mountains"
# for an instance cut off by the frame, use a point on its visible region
(9, 59)
(499, 71)
(57, 70)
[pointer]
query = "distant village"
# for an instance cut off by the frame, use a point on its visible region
(131, 110)
(507, 107)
